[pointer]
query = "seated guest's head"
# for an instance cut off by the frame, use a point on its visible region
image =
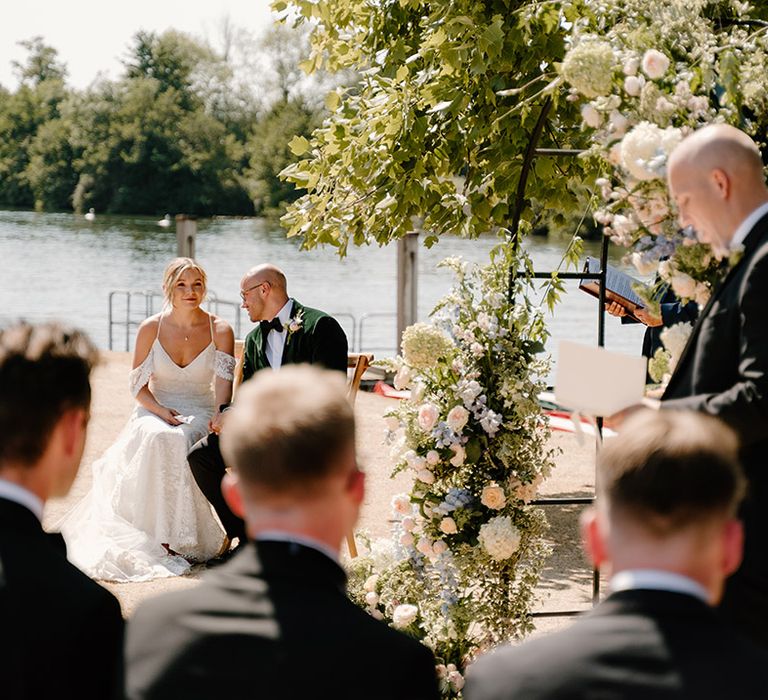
(45, 397)
(290, 440)
(668, 487)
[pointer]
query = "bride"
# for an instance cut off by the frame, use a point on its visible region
(144, 516)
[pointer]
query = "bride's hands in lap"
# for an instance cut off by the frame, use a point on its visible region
(168, 415)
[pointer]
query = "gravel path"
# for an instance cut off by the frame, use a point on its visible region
(567, 580)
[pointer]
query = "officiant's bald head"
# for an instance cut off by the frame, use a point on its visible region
(716, 178)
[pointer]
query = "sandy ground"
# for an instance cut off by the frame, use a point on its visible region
(567, 580)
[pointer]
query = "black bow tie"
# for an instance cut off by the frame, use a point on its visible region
(267, 326)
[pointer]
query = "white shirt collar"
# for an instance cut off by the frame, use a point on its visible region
(747, 225)
(18, 494)
(285, 313)
(657, 580)
(311, 542)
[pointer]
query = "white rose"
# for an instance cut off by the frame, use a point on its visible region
(404, 615)
(439, 547)
(702, 294)
(401, 504)
(456, 680)
(457, 418)
(393, 423)
(684, 286)
(433, 457)
(426, 476)
(619, 123)
(425, 547)
(493, 497)
(448, 526)
(428, 415)
(459, 454)
(633, 84)
(377, 614)
(406, 539)
(370, 583)
(417, 392)
(372, 599)
(402, 378)
(441, 670)
(592, 118)
(655, 64)
(409, 524)
(631, 65)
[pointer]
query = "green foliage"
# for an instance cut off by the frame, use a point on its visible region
(280, 139)
(175, 134)
(438, 126)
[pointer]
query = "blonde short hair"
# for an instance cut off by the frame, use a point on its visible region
(175, 269)
(288, 429)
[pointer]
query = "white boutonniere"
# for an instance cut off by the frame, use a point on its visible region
(294, 324)
(735, 256)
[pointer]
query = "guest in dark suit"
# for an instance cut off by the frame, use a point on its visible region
(274, 622)
(665, 527)
(61, 633)
(716, 177)
(287, 333)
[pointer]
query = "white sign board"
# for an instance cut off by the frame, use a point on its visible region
(597, 382)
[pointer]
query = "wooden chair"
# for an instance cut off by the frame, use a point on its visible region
(357, 361)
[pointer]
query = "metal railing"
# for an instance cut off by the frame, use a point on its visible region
(129, 307)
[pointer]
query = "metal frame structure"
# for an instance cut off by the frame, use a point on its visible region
(531, 152)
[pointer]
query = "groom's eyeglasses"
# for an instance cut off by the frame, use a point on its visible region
(244, 293)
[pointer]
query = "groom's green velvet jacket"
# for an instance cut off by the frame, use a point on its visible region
(320, 340)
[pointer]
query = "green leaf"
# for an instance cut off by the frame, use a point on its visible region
(298, 145)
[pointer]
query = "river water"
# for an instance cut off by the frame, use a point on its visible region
(60, 266)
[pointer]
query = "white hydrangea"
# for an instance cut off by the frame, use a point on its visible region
(674, 340)
(499, 537)
(588, 67)
(423, 345)
(644, 150)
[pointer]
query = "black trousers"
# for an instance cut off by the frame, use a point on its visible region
(208, 468)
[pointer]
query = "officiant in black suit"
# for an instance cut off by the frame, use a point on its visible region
(274, 622)
(62, 634)
(286, 333)
(716, 177)
(665, 527)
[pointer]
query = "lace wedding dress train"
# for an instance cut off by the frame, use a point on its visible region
(143, 493)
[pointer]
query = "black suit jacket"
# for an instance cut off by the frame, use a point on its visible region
(636, 645)
(272, 623)
(723, 371)
(62, 634)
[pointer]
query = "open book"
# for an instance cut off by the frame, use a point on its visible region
(618, 286)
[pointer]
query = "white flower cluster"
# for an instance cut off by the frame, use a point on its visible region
(499, 537)
(646, 148)
(658, 72)
(423, 345)
(588, 67)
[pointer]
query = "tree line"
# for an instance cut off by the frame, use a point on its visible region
(185, 128)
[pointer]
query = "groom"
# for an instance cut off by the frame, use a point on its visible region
(287, 333)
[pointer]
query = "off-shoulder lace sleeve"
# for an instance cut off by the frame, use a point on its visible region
(139, 376)
(224, 365)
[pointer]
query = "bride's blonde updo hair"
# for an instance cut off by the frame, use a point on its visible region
(175, 269)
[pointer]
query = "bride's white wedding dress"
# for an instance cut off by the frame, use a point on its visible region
(143, 493)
